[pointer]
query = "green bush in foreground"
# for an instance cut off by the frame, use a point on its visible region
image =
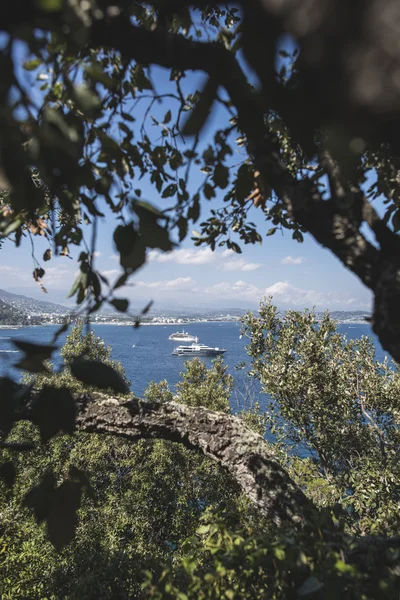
(163, 522)
(145, 500)
(329, 398)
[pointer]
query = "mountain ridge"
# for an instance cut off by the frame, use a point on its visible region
(31, 306)
(11, 316)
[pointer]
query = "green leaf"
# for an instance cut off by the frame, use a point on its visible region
(155, 236)
(141, 207)
(140, 79)
(98, 374)
(235, 248)
(298, 236)
(31, 65)
(57, 506)
(54, 410)
(221, 176)
(244, 183)
(182, 227)
(168, 117)
(198, 117)
(87, 100)
(194, 210)
(121, 281)
(170, 190)
(209, 191)
(125, 238)
(38, 274)
(40, 497)
(62, 519)
(125, 129)
(75, 286)
(97, 74)
(127, 117)
(49, 5)
(131, 248)
(120, 304)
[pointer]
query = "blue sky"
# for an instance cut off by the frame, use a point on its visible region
(296, 275)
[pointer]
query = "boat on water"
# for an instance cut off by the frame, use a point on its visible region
(197, 350)
(183, 336)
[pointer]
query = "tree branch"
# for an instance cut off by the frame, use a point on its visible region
(224, 438)
(331, 227)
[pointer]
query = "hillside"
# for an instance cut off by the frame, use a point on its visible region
(30, 306)
(11, 316)
(347, 316)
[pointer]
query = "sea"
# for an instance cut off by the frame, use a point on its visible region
(146, 352)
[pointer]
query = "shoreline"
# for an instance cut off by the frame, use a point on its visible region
(155, 324)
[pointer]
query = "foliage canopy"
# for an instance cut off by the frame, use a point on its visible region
(109, 96)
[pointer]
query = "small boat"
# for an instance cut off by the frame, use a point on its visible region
(197, 350)
(183, 336)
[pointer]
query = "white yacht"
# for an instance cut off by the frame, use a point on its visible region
(197, 350)
(183, 336)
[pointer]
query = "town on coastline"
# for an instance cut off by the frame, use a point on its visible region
(21, 311)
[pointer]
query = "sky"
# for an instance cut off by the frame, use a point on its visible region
(295, 275)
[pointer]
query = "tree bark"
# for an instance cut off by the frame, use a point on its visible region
(224, 438)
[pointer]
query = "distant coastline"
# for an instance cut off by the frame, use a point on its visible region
(17, 311)
(165, 324)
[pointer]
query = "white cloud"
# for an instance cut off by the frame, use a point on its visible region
(290, 260)
(96, 254)
(60, 276)
(283, 293)
(240, 265)
(183, 256)
(286, 295)
(57, 277)
(239, 290)
(181, 283)
(114, 257)
(224, 260)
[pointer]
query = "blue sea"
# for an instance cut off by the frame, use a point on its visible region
(146, 352)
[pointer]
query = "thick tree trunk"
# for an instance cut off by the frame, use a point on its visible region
(221, 437)
(250, 460)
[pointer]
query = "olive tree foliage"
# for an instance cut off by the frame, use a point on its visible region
(331, 400)
(334, 410)
(140, 503)
(110, 95)
(78, 345)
